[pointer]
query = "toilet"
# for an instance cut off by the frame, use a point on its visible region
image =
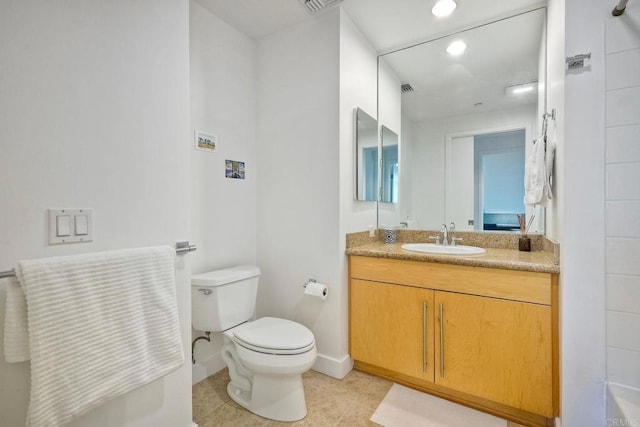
(266, 357)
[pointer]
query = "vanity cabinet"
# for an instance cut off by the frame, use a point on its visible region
(495, 349)
(392, 327)
(483, 337)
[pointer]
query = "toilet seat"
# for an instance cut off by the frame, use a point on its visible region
(272, 335)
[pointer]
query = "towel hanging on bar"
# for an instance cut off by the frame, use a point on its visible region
(109, 320)
(181, 247)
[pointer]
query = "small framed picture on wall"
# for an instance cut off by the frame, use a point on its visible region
(205, 141)
(234, 169)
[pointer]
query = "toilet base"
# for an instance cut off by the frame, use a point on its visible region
(276, 397)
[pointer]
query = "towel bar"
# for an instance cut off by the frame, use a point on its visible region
(5, 274)
(181, 247)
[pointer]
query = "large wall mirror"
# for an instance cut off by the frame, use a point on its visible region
(471, 106)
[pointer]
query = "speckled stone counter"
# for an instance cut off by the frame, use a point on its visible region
(544, 257)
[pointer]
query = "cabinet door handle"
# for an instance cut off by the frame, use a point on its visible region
(424, 336)
(441, 340)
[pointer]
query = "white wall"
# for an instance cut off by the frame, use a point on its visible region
(358, 83)
(95, 113)
(622, 151)
(223, 102)
(427, 162)
(298, 154)
(329, 61)
(580, 212)
(306, 172)
(555, 100)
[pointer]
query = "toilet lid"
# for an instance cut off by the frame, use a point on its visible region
(275, 336)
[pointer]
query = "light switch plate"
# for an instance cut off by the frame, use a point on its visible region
(70, 226)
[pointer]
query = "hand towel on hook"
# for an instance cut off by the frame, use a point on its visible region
(538, 171)
(100, 325)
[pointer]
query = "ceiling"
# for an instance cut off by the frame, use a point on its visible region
(443, 88)
(388, 24)
(499, 54)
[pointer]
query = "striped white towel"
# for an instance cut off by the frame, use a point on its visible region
(100, 325)
(16, 333)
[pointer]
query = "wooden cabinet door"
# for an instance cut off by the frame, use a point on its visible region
(495, 349)
(391, 327)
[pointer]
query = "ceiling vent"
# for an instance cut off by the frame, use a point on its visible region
(316, 6)
(406, 88)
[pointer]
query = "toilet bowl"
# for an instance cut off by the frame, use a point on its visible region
(266, 357)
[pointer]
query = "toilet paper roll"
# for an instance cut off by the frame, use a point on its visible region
(316, 289)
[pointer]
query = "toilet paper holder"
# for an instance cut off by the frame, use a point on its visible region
(315, 289)
(309, 281)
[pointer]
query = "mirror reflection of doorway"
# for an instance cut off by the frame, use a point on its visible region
(485, 181)
(369, 175)
(390, 174)
(499, 183)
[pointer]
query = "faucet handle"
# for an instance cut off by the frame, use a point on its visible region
(455, 239)
(437, 239)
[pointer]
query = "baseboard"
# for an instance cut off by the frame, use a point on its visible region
(192, 424)
(336, 368)
(207, 367)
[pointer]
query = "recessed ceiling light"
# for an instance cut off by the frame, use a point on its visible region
(521, 88)
(443, 8)
(456, 48)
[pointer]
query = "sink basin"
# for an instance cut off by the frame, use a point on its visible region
(432, 248)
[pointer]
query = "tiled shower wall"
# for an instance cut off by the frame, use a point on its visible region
(623, 198)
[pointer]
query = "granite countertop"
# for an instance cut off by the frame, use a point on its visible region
(542, 261)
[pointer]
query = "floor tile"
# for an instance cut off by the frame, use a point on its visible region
(330, 402)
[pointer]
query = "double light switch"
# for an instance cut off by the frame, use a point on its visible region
(70, 225)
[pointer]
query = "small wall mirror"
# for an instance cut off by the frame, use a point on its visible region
(366, 156)
(390, 172)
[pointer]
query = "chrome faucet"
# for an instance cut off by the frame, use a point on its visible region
(452, 228)
(445, 235)
(452, 238)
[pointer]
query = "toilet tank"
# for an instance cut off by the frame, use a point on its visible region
(222, 299)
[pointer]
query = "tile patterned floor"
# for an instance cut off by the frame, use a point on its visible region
(330, 402)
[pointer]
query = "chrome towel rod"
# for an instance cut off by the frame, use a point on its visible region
(181, 248)
(10, 273)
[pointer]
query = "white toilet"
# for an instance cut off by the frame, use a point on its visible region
(266, 357)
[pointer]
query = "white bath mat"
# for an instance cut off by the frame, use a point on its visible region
(405, 407)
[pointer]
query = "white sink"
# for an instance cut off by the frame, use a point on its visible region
(432, 248)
